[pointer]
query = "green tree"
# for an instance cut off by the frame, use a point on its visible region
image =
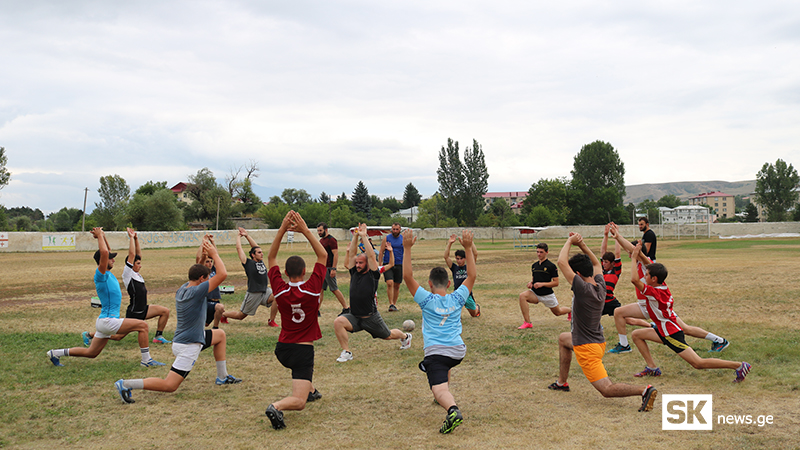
(550, 194)
(208, 197)
(65, 219)
(273, 213)
(151, 187)
(432, 214)
(776, 189)
(5, 175)
(462, 185)
(3, 219)
(362, 203)
(250, 202)
(411, 196)
(343, 217)
(393, 205)
(313, 213)
(114, 193)
(295, 197)
(670, 201)
(540, 216)
(598, 185)
(324, 198)
(23, 223)
(750, 213)
(156, 212)
(649, 208)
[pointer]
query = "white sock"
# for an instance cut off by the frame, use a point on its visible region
(145, 354)
(714, 338)
(222, 370)
(60, 352)
(623, 340)
(133, 384)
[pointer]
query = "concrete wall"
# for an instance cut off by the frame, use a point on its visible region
(77, 241)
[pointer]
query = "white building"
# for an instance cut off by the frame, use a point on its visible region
(410, 214)
(685, 214)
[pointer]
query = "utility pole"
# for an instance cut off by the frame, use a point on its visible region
(218, 213)
(83, 221)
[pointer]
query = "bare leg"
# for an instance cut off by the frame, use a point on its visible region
(340, 327)
(218, 340)
(560, 310)
(609, 389)
(168, 384)
(161, 312)
(340, 297)
(709, 363)
(273, 311)
(219, 310)
(526, 297)
(390, 292)
(94, 349)
(564, 356)
(236, 315)
(296, 401)
(623, 312)
(639, 337)
(396, 294)
(441, 392)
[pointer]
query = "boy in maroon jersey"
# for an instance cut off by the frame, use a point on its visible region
(667, 331)
(298, 303)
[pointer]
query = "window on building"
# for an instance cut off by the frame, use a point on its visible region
(716, 204)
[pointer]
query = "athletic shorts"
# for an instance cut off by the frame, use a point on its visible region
(298, 357)
(437, 367)
(106, 327)
(187, 354)
(609, 307)
(211, 309)
(252, 300)
(394, 274)
(470, 304)
(590, 358)
(675, 341)
(373, 325)
(548, 300)
(141, 315)
(330, 281)
(643, 308)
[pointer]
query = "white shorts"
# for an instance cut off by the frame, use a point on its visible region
(548, 300)
(643, 307)
(185, 355)
(107, 327)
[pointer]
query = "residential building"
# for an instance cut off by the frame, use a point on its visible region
(514, 199)
(180, 191)
(722, 204)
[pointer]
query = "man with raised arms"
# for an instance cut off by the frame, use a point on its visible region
(258, 291)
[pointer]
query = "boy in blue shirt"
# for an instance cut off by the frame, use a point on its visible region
(441, 325)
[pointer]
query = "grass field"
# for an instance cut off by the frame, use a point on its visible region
(744, 290)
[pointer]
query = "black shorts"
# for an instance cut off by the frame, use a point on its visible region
(608, 309)
(675, 341)
(394, 274)
(211, 309)
(437, 367)
(298, 357)
(141, 315)
(374, 325)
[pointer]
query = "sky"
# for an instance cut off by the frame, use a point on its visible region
(324, 94)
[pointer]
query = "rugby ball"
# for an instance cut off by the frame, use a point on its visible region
(409, 325)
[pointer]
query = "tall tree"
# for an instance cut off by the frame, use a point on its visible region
(295, 197)
(5, 175)
(550, 194)
(411, 196)
(114, 193)
(208, 197)
(462, 185)
(776, 189)
(362, 203)
(65, 219)
(670, 201)
(156, 212)
(597, 186)
(751, 213)
(324, 198)
(151, 187)
(249, 200)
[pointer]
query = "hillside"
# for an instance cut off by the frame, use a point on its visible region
(685, 189)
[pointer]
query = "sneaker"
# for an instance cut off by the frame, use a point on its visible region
(478, 314)
(720, 346)
(405, 344)
(161, 340)
(54, 359)
(345, 356)
(621, 349)
(223, 319)
(525, 326)
(313, 396)
(648, 398)
(273, 324)
(276, 417)
(345, 311)
(557, 387)
(152, 363)
(649, 372)
(392, 308)
(742, 372)
(124, 393)
(87, 340)
(452, 420)
(229, 379)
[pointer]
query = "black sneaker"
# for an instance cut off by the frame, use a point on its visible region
(314, 396)
(648, 398)
(452, 420)
(392, 308)
(557, 387)
(276, 417)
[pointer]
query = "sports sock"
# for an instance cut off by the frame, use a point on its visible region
(60, 352)
(133, 384)
(158, 333)
(714, 338)
(559, 384)
(623, 340)
(145, 354)
(222, 370)
(452, 408)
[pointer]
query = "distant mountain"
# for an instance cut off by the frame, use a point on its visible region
(685, 189)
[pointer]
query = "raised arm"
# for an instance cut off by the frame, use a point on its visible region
(352, 251)
(133, 246)
(472, 269)
(563, 259)
(222, 273)
(391, 257)
(300, 225)
(200, 256)
(447, 259)
(272, 256)
(634, 269)
(626, 244)
(383, 246)
(102, 245)
(372, 263)
(408, 271)
(239, 249)
(598, 268)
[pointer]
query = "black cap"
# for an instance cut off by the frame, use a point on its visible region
(97, 256)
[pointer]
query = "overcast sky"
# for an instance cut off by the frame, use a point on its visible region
(324, 94)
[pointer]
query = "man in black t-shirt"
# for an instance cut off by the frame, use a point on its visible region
(459, 270)
(648, 238)
(364, 277)
(540, 289)
(258, 291)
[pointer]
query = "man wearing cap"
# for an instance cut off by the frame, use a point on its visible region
(109, 323)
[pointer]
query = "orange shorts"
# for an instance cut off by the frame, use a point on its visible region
(590, 358)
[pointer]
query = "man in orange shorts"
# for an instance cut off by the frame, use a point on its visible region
(585, 274)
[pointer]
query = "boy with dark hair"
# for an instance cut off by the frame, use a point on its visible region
(584, 273)
(258, 291)
(459, 271)
(191, 337)
(108, 324)
(667, 331)
(612, 269)
(298, 303)
(331, 246)
(441, 325)
(540, 289)
(363, 315)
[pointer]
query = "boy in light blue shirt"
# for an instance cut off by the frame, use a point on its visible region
(441, 324)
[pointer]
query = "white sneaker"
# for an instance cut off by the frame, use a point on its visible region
(345, 356)
(406, 343)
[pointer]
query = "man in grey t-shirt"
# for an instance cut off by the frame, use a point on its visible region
(585, 274)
